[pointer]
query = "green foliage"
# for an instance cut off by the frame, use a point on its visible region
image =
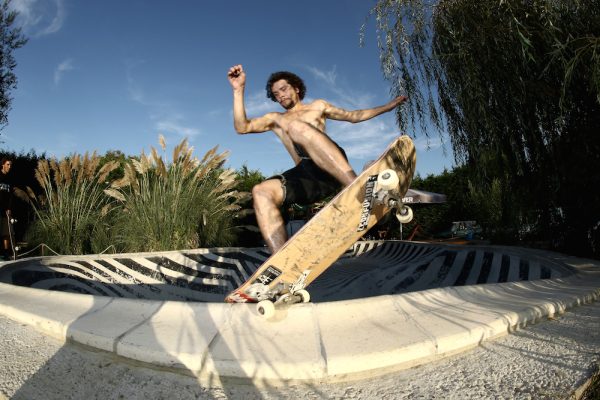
(120, 158)
(184, 204)
(488, 212)
(248, 178)
(11, 39)
(149, 205)
(72, 208)
(516, 84)
(248, 231)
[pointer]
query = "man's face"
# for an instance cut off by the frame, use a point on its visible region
(285, 94)
(6, 167)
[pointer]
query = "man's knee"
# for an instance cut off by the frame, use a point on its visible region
(269, 192)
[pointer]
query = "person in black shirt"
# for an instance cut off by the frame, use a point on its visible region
(6, 193)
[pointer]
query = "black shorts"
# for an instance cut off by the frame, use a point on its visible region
(306, 183)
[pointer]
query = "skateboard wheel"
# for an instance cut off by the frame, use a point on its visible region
(266, 308)
(387, 179)
(404, 214)
(304, 295)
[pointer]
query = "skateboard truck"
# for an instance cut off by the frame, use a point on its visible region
(387, 181)
(266, 308)
(295, 294)
(264, 292)
(404, 213)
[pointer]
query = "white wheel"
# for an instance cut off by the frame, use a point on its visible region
(304, 295)
(266, 308)
(387, 179)
(404, 214)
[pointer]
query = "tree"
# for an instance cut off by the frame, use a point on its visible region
(248, 178)
(516, 84)
(119, 157)
(11, 39)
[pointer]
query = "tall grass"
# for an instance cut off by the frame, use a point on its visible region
(157, 205)
(186, 203)
(72, 210)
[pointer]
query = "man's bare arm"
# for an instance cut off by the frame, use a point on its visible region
(241, 123)
(336, 113)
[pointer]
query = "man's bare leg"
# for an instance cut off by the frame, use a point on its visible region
(268, 197)
(322, 151)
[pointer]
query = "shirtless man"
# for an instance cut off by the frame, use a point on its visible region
(322, 168)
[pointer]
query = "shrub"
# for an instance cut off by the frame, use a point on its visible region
(72, 208)
(184, 204)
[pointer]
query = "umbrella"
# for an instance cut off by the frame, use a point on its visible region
(414, 196)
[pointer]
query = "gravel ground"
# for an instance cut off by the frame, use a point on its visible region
(549, 360)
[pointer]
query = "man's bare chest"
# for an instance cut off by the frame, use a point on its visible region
(314, 118)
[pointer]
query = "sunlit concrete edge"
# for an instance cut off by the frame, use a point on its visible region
(335, 341)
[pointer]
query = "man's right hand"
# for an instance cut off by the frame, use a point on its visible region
(237, 77)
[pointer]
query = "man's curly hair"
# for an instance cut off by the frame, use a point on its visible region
(294, 80)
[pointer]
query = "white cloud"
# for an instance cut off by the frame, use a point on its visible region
(329, 77)
(345, 96)
(166, 117)
(40, 17)
(57, 21)
(61, 69)
(363, 141)
(136, 93)
(175, 127)
(27, 12)
(258, 104)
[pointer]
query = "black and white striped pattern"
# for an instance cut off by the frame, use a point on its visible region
(378, 268)
(370, 268)
(194, 275)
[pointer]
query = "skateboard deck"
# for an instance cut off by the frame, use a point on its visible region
(334, 229)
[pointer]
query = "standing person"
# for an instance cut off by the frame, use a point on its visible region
(5, 206)
(322, 167)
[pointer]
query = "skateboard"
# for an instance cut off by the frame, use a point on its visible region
(11, 235)
(283, 277)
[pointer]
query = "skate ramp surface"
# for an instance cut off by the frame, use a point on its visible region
(387, 314)
(369, 268)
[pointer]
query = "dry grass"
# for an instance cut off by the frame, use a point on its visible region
(71, 209)
(157, 205)
(185, 203)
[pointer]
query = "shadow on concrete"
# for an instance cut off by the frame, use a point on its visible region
(75, 371)
(187, 333)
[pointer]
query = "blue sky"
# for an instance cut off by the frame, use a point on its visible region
(114, 74)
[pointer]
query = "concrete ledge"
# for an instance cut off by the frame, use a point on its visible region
(307, 342)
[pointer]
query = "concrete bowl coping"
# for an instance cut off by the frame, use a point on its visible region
(329, 341)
